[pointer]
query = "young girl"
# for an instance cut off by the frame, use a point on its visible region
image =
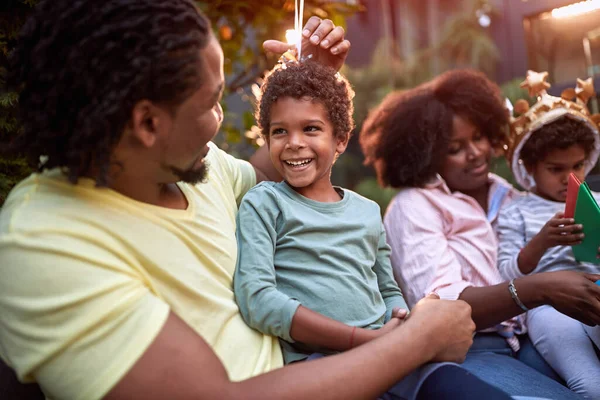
(313, 263)
(555, 138)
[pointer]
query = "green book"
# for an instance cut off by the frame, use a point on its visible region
(587, 213)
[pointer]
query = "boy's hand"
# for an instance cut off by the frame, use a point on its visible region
(398, 317)
(560, 231)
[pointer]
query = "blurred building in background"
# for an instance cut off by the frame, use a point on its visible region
(558, 36)
(398, 44)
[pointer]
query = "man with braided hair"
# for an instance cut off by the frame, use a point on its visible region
(117, 257)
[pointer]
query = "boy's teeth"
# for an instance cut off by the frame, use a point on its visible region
(298, 163)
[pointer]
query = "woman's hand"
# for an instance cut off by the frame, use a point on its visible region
(572, 293)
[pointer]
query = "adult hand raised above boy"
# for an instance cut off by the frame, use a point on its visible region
(322, 39)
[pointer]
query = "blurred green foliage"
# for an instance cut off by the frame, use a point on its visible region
(12, 15)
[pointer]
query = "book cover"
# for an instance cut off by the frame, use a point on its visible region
(572, 193)
(587, 213)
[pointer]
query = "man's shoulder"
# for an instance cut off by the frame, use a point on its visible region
(216, 160)
(35, 200)
(228, 172)
(49, 203)
(220, 160)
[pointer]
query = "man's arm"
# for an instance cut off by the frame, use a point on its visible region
(572, 293)
(179, 364)
(265, 171)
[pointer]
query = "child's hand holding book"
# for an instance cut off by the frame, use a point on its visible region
(558, 231)
(561, 231)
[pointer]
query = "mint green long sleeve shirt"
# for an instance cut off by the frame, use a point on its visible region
(329, 257)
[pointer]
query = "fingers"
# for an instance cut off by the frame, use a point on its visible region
(568, 235)
(325, 34)
(332, 38)
(311, 25)
(433, 295)
(567, 240)
(460, 340)
(556, 222)
(579, 298)
(398, 312)
(593, 277)
(591, 315)
(594, 312)
(342, 48)
(317, 29)
(277, 47)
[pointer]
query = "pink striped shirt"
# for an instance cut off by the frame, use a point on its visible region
(443, 241)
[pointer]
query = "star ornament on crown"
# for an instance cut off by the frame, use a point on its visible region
(572, 103)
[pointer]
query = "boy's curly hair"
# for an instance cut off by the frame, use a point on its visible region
(81, 66)
(406, 137)
(308, 80)
(560, 134)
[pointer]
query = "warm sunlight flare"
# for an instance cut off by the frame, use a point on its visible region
(576, 9)
(291, 36)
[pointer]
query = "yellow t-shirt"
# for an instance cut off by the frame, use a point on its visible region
(88, 276)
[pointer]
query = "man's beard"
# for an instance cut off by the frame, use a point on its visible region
(191, 175)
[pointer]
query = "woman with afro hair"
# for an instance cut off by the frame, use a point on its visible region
(435, 143)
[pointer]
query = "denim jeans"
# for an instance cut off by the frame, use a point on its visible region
(523, 374)
(439, 381)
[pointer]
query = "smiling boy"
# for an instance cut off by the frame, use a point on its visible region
(313, 263)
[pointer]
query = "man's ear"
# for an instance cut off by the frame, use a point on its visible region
(342, 143)
(147, 121)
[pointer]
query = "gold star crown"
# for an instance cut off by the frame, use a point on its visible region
(572, 103)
